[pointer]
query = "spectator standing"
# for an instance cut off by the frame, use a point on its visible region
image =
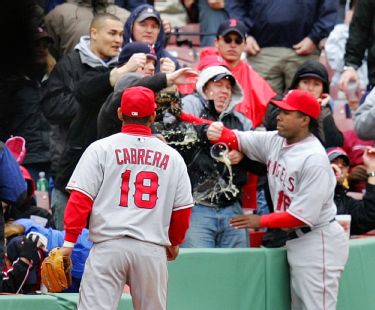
(230, 44)
(283, 34)
(172, 11)
(361, 38)
(211, 14)
(145, 25)
(69, 21)
(135, 228)
(61, 103)
(335, 51)
(27, 119)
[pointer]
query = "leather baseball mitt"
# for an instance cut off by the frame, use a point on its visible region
(56, 271)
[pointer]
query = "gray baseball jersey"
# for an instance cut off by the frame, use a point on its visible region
(302, 183)
(135, 182)
(300, 176)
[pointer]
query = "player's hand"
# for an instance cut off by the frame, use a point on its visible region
(214, 131)
(305, 47)
(172, 252)
(235, 157)
(252, 48)
(167, 65)
(348, 75)
(369, 159)
(324, 99)
(245, 221)
(65, 251)
(182, 76)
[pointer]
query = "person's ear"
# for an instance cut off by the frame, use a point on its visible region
(119, 114)
(305, 121)
(152, 117)
(216, 42)
(93, 33)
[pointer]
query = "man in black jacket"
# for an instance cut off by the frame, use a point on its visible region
(69, 104)
(361, 38)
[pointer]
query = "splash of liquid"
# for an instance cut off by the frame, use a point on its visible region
(220, 152)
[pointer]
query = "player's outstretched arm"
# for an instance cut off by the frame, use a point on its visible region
(273, 220)
(217, 132)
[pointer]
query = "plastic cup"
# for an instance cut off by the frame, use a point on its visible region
(344, 220)
(352, 92)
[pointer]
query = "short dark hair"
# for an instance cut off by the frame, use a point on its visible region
(313, 124)
(135, 120)
(99, 18)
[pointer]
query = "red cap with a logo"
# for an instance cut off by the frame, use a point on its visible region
(138, 102)
(302, 101)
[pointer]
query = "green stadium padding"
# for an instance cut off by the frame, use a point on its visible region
(227, 279)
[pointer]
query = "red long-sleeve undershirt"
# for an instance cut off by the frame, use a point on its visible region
(80, 205)
(179, 225)
(227, 135)
(280, 220)
(77, 210)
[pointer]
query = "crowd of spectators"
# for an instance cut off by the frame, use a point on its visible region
(60, 91)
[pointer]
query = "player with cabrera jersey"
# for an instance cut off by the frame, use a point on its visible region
(138, 192)
(302, 186)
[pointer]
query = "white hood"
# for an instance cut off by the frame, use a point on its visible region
(210, 72)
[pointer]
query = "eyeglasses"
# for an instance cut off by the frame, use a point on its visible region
(229, 40)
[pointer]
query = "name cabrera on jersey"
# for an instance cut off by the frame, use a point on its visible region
(135, 182)
(300, 176)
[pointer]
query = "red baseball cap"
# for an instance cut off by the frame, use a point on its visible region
(302, 101)
(138, 102)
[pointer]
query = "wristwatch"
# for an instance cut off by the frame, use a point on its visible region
(371, 174)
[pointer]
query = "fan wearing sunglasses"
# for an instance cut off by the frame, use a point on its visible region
(230, 43)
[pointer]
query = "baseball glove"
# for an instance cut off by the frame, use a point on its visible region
(56, 271)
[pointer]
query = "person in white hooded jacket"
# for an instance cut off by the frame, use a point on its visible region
(216, 185)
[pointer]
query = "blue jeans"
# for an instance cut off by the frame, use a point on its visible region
(59, 200)
(209, 228)
(210, 20)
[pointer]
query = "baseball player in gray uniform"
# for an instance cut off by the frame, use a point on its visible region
(138, 192)
(302, 187)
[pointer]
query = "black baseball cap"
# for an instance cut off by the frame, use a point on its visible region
(232, 25)
(226, 76)
(336, 152)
